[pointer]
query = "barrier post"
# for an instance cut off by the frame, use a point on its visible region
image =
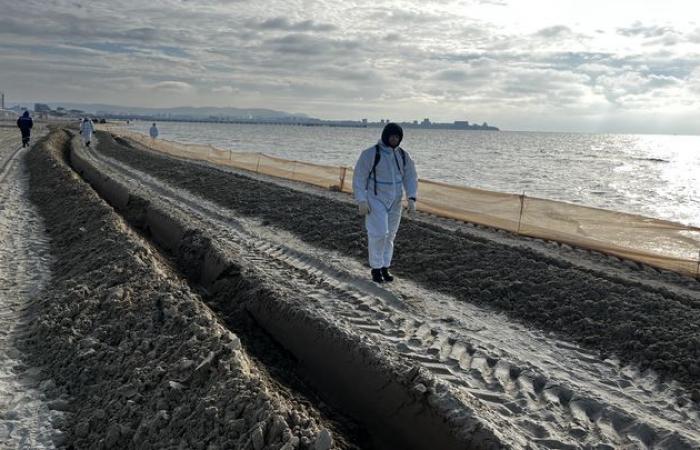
(697, 271)
(520, 217)
(257, 166)
(343, 171)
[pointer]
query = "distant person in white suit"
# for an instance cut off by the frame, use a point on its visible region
(382, 173)
(86, 130)
(153, 131)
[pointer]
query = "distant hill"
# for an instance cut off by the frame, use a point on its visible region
(182, 111)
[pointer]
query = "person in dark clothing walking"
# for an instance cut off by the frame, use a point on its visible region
(25, 124)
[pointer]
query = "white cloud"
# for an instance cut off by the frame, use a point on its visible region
(170, 86)
(225, 90)
(493, 60)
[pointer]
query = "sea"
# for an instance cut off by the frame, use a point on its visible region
(652, 175)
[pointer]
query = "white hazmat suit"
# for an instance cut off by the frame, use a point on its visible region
(393, 174)
(86, 130)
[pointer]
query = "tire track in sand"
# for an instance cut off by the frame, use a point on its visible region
(26, 420)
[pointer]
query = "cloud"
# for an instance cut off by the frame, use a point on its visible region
(170, 86)
(443, 59)
(455, 75)
(638, 29)
(225, 90)
(282, 23)
(556, 31)
(311, 45)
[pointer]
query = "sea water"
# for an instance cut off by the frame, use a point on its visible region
(652, 175)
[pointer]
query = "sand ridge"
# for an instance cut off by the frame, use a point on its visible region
(139, 359)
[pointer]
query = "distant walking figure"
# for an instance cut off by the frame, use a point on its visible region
(153, 131)
(25, 124)
(86, 130)
(382, 173)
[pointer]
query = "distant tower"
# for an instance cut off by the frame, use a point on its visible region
(2, 100)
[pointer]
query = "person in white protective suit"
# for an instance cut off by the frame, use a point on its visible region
(382, 173)
(86, 130)
(153, 131)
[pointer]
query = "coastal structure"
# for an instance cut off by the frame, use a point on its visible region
(300, 121)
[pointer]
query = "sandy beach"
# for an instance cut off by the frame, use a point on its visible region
(178, 305)
(27, 418)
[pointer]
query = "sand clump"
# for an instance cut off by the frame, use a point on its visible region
(136, 359)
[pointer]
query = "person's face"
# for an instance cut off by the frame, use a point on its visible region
(394, 140)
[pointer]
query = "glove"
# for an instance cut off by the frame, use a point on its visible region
(363, 208)
(411, 209)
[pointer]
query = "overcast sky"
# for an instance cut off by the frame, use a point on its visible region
(569, 65)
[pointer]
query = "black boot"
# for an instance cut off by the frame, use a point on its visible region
(377, 276)
(386, 275)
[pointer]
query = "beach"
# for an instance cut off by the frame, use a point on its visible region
(27, 418)
(175, 304)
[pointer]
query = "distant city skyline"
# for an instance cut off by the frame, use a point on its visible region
(550, 65)
(201, 112)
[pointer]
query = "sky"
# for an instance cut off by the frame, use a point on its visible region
(630, 66)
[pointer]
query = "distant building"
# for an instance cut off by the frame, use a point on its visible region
(461, 124)
(6, 114)
(41, 107)
(425, 122)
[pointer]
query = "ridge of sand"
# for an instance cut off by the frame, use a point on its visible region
(137, 359)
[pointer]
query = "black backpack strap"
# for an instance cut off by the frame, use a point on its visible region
(403, 156)
(377, 157)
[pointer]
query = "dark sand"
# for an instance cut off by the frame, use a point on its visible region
(135, 357)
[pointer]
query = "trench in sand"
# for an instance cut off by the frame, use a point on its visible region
(143, 362)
